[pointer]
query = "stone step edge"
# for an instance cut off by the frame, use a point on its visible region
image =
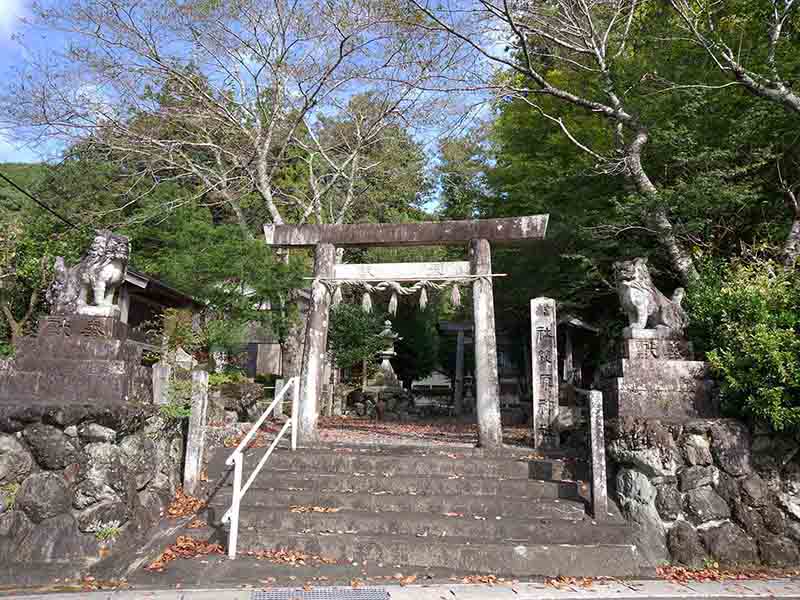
(514, 453)
(220, 457)
(225, 494)
(222, 470)
(389, 538)
(511, 557)
(580, 516)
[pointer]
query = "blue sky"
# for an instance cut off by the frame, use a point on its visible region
(12, 54)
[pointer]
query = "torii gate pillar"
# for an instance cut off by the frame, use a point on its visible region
(487, 386)
(315, 342)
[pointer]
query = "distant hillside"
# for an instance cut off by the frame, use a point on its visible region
(26, 176)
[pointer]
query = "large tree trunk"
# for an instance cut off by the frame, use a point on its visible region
(791, 248)
(658, 220)
(487, 386)
(17, 327)
(292, 345)
(314, 346)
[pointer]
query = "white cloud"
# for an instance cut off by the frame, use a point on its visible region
(19, 152)
(10, 13)
(12, 152)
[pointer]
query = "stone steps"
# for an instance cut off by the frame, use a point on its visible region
(384, 465)
(407, 553)
(569, 528)
(412, 485)
(216, 571)
(416, 508)
(481, 505)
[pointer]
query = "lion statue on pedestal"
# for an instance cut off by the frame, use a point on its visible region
(646, 307)
(88, 288)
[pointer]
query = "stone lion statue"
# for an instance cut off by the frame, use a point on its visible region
(646, 307)
(89, 286)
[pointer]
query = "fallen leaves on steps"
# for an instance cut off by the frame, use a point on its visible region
(405, 580)
(85, 584)
(484, 579)
(196, 524)
(563, 582)
(184, 505)
(713, 573)
(312, 509)
(260, 440)
(184, 547)
(289, 557)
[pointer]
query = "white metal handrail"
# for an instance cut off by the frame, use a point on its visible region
(236, 459)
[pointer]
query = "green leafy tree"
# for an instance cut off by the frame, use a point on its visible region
(30, 239)
(418, 348)
(353, 335)
(746, 316)
(462, 176)
(241, 281)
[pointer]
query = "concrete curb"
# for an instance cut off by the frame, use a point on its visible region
(614, 590)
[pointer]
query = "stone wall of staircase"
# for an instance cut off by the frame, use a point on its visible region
(708, 490)
(66, 472)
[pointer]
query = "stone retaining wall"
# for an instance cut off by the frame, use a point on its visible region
(707, 490)
(247, 400)
(66, 471)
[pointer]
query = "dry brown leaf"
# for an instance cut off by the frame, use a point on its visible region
(484, 579)
(560, 582)
(196, 524)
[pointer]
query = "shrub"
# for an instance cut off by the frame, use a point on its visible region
(227, 376)
(179, 401)
(746, 317)
(175, 411)
(105, 531)
(9, 494)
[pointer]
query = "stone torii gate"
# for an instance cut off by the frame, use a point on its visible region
(477, 233)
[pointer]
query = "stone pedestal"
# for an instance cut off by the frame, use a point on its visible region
(657, 377)
(77, 359)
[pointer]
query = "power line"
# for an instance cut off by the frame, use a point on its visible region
(38, 202)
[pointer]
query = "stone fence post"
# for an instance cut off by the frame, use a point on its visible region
(162, 373)
(195, 439)
(279, 383)
(598, 449)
